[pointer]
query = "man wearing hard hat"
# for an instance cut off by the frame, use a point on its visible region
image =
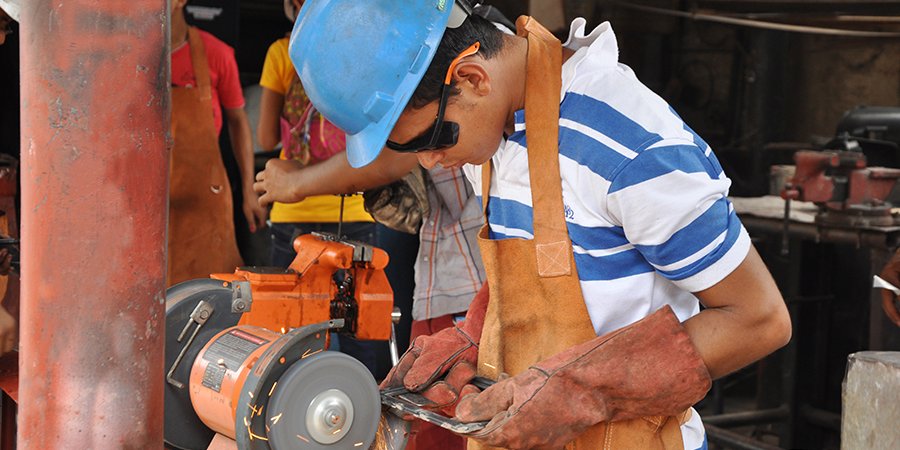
(607, 223)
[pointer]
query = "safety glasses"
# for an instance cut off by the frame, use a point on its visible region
(441, 134)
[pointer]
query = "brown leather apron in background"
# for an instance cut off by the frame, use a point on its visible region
(201, 225)
(536, 308)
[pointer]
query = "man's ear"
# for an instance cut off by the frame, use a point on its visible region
(473, 75)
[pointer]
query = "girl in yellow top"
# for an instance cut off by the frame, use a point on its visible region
(286, 117)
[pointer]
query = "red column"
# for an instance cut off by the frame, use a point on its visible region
(95, 119)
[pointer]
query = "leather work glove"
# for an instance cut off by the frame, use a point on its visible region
(449, 355)
(891, 274)
(649, 368)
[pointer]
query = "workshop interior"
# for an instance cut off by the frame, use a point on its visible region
(800, 100)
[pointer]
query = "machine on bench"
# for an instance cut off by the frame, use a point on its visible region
(247, 364)
(839, 179)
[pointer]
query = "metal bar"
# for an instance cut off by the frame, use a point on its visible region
(760, 24)
(95, 121)
(860, 237)
(821, 417)
(748, 417)
(730, 439)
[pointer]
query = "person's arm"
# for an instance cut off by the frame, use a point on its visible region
(745, 318)
(268, 130)
(242, 144)
(672, 204)
(288, 181)
(9, 328)
(9, 332)
(891, 274)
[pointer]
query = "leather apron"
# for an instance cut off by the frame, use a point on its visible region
(201, 225)
(536, 308)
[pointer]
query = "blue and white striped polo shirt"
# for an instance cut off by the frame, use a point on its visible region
(645, 198)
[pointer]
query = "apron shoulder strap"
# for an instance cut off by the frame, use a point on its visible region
(543, 84)
(200, 63)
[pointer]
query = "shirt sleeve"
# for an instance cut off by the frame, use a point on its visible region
(277, 72)
(231, 95)
(671, 201)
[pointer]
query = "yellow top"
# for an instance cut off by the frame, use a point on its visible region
(277, 75)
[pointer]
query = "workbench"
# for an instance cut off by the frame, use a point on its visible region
(825, 276)
(765, 216)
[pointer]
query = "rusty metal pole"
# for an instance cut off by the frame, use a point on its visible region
(95, 119)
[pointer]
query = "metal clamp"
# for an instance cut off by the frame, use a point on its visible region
(241, 297)
(199, 316)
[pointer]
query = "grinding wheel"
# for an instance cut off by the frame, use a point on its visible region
(326, 401)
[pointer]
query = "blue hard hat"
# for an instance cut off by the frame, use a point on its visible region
(361, 60)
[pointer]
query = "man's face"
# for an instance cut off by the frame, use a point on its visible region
(481, 126)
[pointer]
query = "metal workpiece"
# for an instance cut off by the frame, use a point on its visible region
(95, 123)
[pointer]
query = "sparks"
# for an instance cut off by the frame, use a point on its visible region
(256, 436)
(275, 419)
(490, 365)
(273, 388)
(282, 330)
(337, 431)
(250, 393)
(358, 444)
(302, 438)
(307, 353)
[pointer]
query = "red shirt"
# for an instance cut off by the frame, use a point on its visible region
(223, 74)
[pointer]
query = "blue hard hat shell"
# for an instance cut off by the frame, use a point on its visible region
(361, 60)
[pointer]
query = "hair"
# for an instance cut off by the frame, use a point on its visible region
(474, 29)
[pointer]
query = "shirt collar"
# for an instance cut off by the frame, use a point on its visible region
(598, 49)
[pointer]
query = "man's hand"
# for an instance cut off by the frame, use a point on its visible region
(891, 274)
(441, 366)
(277, 183)
(9, 332)
(648, 368)
(254, 212)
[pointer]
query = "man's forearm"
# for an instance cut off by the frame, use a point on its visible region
(336, 176)
(745, 319)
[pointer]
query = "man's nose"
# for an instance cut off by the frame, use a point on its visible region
(429, 159)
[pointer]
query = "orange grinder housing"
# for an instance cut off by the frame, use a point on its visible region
(219, 372)
(306, 292)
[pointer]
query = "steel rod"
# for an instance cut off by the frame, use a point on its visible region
(747, 417)
(95, 121)
(732, 440)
